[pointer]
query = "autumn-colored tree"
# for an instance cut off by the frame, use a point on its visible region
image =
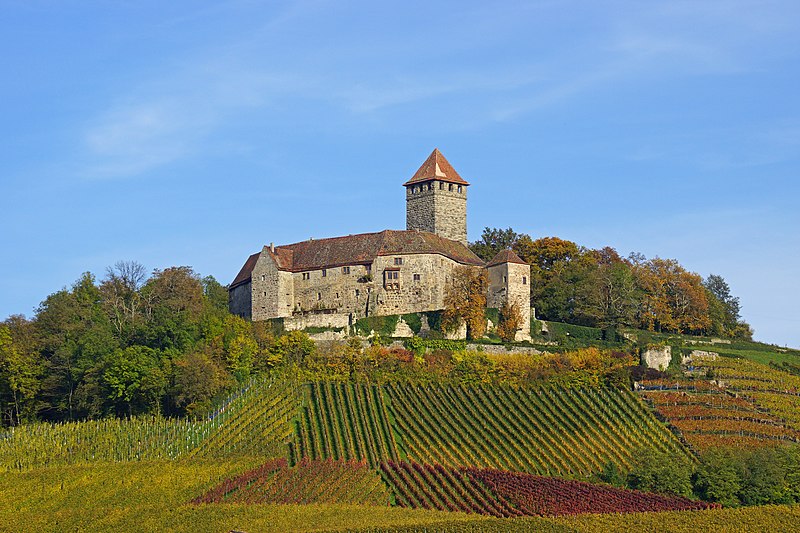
(673, 298)
(465, 301)
(510, 321)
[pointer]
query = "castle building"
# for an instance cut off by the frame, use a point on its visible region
(332, 282)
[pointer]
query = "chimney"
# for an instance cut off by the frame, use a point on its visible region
(272, 247)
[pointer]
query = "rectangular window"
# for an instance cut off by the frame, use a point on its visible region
(524, 280)
(319, 296)
(459, 188)
(398, 261)
(441, 185)
(369, 269)
(324, 273)
(450, 187)
(345, 270)
(306, 275)
(263, 277)
(416, 277)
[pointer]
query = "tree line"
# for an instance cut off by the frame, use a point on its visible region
(599, 288)
(130, 343)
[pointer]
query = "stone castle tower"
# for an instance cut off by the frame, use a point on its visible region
(436, 199)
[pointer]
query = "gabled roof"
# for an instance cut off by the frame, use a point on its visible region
(436, 167)
(244, 274)
(505, 256)
(363, 248)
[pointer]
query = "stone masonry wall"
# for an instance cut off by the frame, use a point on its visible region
(519, 292)
(439, 208)
(272, 290)
(333, 289)
(510, 282)
(239, 301)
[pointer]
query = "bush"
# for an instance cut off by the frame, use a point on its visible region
(382, 325)
(414, 322)
(562, 331)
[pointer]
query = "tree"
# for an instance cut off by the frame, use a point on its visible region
(135, 380)
(465, 301)
(673, 299)
(724, 309)
(719, 477)
(198, 380)
(661, 472)
(175, 306)
(121, 297)
(293, 347)
(20, 371)
(76, 336)
(493, 241)
(510, 321)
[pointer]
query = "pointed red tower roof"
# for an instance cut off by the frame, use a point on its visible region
(505, 256)
(436, 167)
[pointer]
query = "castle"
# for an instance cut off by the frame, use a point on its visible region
(332, 282)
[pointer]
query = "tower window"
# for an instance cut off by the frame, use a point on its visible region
(524, 280)
(398, 261)
(368, 268)
(450, 187)
(416, 277)
(504, 279)
(324, 273)
(430, 186)
(441, 185)
(357, 293)
(263, 277)
(306, 275)
(459, 188)
(345, 270)
(319, 296)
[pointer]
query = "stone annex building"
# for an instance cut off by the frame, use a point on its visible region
(333, 282)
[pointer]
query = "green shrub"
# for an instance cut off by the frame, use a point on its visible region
(414, 322)
(382, 325)
(563, 331)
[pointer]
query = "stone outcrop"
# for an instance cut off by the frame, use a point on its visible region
(657, 357)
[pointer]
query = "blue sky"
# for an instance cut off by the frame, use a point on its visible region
(192, 133)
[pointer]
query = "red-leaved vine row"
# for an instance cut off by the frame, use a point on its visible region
(505, 494)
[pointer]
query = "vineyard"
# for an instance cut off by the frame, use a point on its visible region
(344, 421)
(329, 481)
(510, 494)
(547, 431)
(255, 420)
(746, 404)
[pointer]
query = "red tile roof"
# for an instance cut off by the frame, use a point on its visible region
(505, 256)
(363, 248)
(436, 167)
